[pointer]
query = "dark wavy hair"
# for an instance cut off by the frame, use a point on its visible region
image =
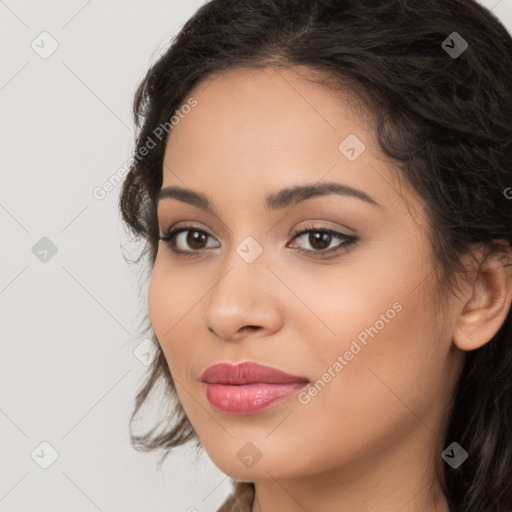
(445, 120)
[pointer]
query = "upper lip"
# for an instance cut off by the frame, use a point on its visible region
(247, 373)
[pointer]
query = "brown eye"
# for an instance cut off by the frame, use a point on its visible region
(191, 241)
(320, 239)
(196, 239)
(186, 240)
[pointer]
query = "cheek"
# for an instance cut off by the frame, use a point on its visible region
(172, 295)
(385, 331)
(159, 301)
(363, 305)
(170, 303)
(389, 368)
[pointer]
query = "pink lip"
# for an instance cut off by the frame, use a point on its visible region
(247, 388)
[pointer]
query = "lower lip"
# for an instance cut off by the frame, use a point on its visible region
(250, 398)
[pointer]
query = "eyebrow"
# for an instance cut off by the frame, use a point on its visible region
(275, 201)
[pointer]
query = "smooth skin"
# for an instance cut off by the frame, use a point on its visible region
(371, 439)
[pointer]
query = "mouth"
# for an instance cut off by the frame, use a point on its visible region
(248, 388)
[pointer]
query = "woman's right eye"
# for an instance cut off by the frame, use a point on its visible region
(185, 236)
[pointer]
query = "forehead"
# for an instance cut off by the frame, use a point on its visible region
(297, 87)
(263, 118)
(258, 130)
(272, 99)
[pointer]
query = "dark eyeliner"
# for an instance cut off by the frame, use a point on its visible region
(349, 241)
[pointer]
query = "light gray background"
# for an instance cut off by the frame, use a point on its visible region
(68, 370)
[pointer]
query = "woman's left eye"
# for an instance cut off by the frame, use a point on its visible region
(321, 238)
(318, 238)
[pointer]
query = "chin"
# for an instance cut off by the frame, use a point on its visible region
(241, 467)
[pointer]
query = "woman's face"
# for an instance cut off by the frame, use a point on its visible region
(359, 324)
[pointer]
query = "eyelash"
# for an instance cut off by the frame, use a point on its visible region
(349, 242)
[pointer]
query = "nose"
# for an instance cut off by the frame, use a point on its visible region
(247, 328)
(244, 301)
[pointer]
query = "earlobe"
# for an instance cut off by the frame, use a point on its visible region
(488, 305)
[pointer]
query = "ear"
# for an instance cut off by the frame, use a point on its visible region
(490, 295)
